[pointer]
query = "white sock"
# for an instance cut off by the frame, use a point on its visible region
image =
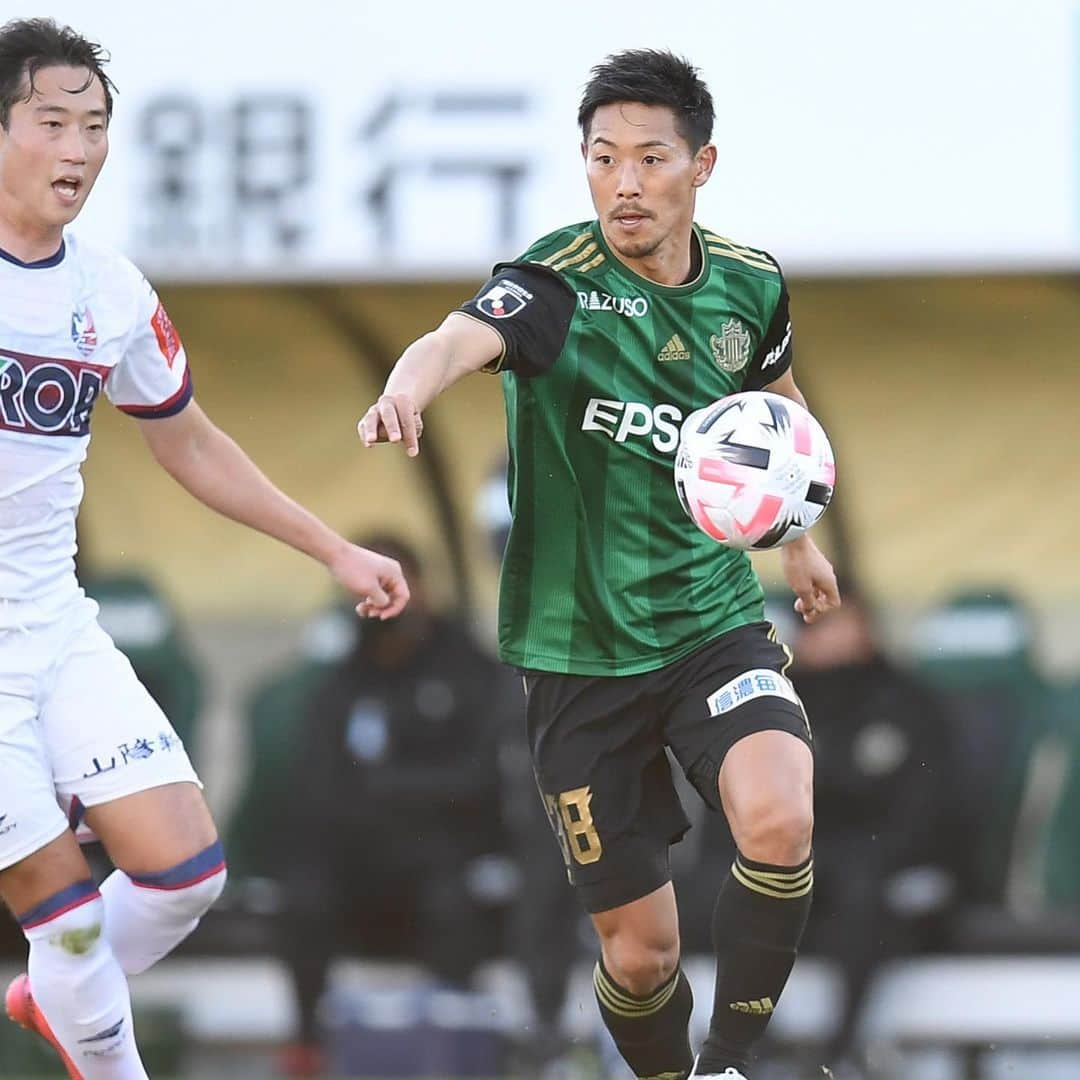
(147, 916)
(79, 987)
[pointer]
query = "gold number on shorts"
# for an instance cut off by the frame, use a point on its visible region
(581, 835)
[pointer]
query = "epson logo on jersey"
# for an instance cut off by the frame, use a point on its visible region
(48, 397)
(620, 420)
(774, 354)
(633, 307)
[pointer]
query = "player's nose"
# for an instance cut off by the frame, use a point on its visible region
(629, 184)
(73, 148)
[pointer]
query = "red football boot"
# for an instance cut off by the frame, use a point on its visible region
(20, 1006)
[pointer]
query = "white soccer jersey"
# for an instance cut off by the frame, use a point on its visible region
(71, 325)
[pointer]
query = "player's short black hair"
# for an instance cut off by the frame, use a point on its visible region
(28, 45)
(652, 77)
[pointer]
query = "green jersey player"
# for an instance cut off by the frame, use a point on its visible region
(632, 630)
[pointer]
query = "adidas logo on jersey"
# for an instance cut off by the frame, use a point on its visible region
(758, 1007)
(673, 350)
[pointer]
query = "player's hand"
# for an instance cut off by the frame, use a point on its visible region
(811, 578)
(374, 578)
(393, 418)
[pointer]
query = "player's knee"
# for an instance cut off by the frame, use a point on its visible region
(67, 942)
(640, 965)
(778, 831)
(189, 889)
(75, 932)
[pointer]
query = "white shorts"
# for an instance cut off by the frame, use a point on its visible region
(77, 728)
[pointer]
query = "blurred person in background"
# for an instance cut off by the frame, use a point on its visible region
(76, 727)
(884, 835)
(400, 748)
(634, 631)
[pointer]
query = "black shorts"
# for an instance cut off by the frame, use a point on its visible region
(598, 752)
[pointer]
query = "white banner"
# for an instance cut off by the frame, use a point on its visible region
(374, 140)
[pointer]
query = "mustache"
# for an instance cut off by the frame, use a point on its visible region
(629, 208)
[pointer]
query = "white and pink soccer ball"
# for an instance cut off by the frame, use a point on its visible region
(754, 470)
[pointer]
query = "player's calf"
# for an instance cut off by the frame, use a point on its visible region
(148, 915)
(78, 986)
(644, 998)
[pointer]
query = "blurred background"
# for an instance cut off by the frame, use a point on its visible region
(310, 189)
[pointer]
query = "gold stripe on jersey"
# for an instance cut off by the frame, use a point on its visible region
(592, 263)
(731, 253)
(570, 260)
(572, 246)
(713, 238)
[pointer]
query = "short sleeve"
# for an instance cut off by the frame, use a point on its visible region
(774, 355)
(530, 307)
(152, 380)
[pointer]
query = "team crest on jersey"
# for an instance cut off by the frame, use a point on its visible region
(83, 330)
(731, 347)
(504, 299)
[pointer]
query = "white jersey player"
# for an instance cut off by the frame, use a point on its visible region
(79, 736)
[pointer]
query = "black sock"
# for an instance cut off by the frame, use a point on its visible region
(650, 1031)
(759, 918)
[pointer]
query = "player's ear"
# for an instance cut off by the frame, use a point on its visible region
(704, 163)
(584, 149)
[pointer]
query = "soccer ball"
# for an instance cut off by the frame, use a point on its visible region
(754, 470)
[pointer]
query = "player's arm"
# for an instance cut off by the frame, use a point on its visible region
(210, 465)
(430, 365)
(517, 322)
(805, 568)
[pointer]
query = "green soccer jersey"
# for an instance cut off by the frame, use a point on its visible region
(604, 574)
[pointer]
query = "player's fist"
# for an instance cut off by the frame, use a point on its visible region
(811, 578)
(373, 578)
(393, 418)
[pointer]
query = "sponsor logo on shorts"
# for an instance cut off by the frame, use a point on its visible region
(136, 750)
(5, 825)
(759, 683)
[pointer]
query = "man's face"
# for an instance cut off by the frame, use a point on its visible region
(53, 149)
(643, 176)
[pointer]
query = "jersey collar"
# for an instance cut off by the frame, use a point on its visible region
(55, 259)
(647, 283)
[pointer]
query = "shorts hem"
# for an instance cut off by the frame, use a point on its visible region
(705, 772)
(33, 846)
(122, 791)
(611, 893)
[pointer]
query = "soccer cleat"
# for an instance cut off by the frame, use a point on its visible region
(22, 1010)
(728, 1074)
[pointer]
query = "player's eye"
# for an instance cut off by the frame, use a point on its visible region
(603, 159)
(52, 123)
(651, 159)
